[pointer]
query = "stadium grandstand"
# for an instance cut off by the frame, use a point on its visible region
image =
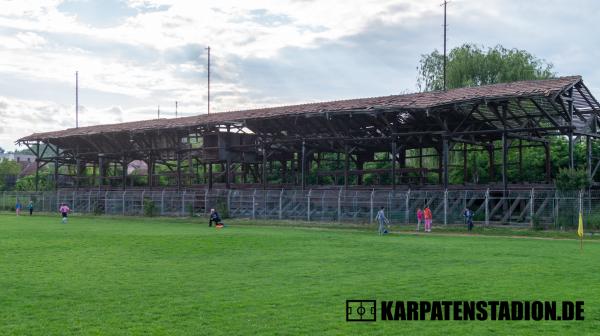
(412, 136)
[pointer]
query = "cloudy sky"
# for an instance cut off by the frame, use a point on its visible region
(134, 55)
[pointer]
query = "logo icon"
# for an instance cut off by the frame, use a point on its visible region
(361, 310)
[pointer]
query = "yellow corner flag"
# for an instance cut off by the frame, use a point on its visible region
(580, 230)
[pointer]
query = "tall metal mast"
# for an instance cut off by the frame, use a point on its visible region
(76, 99)
(208, 78)
(445, 28)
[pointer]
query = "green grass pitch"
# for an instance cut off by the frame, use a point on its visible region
(136, 276)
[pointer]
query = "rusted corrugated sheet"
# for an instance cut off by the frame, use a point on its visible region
(407, 101)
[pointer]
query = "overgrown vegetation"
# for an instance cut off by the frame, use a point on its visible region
(222, 209)
(190, 210)
(150, 209)
(569, 179)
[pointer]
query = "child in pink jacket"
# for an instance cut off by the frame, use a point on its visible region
(419, 218)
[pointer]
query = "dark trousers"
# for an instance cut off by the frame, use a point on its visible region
(30, 211)
(470, 224)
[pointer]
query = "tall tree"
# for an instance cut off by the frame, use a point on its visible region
(8, 172)
(472, 65)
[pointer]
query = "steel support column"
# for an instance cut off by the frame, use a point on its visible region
(504, 162)
(570, 111)
(178, 157)
(394, 155)
(465, 170)
(548, 163)
(346, 165)
(264, 167)
(521, 160)
(491, 168)
(101, 170)
(37, 165)
(228, 173)
(303, 166)
(123, 172)
(210, 176)
(445, 160)
(37, 174)
(588, 146)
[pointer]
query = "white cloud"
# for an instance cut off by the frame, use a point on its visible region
(264, 52)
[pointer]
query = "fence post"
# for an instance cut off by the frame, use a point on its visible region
(162, 202)
(193, 203)
(556, 208)
(281, 204)
(142, 204)
(371, 206)
(407, 207)
(106, 203)
(183, 204)
(389, 204)
(531, 207)
(206, 201)
(229, 201)
(4, 200)
(308, 205)
(580, 205)
(339, 205)
(265, 201)
(254, 204)
(487, 207)
(446, 207)
(73, 200)
(322, 205)
(124, 192)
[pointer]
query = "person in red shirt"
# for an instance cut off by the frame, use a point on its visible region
(428, 218)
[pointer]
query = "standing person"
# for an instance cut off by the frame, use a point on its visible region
(64, 211)
(18, 207)
(382, 220)
(419, 218)
(214, 217)
(468, 214)
(428, 217)
(30, 207)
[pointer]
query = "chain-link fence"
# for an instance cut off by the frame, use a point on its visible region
(530, 208)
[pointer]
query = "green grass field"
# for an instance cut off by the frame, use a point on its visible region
(135, 276)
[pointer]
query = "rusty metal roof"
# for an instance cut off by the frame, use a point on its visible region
(424, 100)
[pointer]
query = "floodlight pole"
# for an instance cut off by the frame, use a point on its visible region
(158, 111)
(175, 109)
(76, 99)
(208, 80)
(445, 28)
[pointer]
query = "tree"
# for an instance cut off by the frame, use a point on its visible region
(8, 173)
(571, 179)
(472, 65)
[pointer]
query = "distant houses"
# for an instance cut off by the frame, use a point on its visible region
(26, 161)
